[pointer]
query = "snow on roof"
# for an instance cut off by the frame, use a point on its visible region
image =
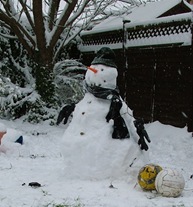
(142, 13)
(142, 30)
(167, 19)
(180, 34)
(148, 34)
(151, 10)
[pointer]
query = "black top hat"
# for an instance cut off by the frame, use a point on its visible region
(105, 56)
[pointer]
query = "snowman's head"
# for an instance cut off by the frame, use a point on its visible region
(102, 76)
(103, 70)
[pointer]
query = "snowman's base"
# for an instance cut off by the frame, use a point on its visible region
(111, 159)
(88, 148)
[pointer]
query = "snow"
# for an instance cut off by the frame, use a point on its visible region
(40, 160)
(3, 128)
(152, 10)
(144, 13)
(79, 164)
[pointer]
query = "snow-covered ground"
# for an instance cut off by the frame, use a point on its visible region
(40, 159)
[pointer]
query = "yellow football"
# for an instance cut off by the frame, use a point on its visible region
(147, 175)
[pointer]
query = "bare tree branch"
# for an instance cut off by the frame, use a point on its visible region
(52, 14)
(81, 8)
(18, 30)
(8, 36)
(23, 4)
(50, 18)
(6, 7)
(88, 20)
(62, 21)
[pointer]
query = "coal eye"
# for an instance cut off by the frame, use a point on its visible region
(102, 69)
(104, 81)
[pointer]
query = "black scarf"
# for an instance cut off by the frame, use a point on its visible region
(120, 129)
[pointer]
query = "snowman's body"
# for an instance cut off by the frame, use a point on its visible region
(88, 147)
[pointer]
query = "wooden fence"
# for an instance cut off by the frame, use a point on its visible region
(157, 83)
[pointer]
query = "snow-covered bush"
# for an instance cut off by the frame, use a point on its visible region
(68, 80)
(69, 75)
(14, 100)
(19, 95)
(39, 111)
(17, 102)
(20, 99)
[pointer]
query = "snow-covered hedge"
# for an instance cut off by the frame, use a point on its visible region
(20, 99)
(69, 75)
(18, 83)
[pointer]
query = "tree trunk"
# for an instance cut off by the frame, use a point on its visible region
(44, 78)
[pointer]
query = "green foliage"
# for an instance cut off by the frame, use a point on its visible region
(44, 83)
(39, 112)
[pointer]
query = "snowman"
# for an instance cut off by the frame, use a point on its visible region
(103, 140)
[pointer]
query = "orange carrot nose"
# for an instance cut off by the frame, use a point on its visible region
(93, 69)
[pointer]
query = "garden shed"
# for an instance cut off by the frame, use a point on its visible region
(153, 46)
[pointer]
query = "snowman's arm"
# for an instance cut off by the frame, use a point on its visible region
(127, 115)
(136, 127)
(65, 113)
(139, 124)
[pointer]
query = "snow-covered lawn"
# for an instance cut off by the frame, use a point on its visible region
(40, 159)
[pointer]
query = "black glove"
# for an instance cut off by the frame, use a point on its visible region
(139, 124)
(120, 130)
(65, 113)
